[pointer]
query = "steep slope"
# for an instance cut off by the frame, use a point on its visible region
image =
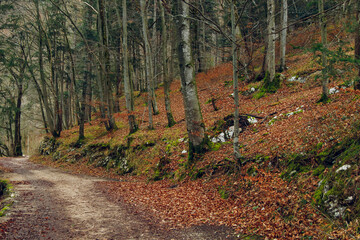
(284, 148)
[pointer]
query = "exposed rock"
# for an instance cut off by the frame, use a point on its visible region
(252, 120)
(297, 79)
(343, 168)
(333, 90)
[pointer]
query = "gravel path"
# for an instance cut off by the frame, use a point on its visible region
(51, 204)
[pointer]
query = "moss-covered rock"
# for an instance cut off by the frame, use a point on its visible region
(48, 146)
(339, 189)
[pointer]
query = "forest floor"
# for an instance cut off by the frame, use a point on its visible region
(53, 204)
(257, 201)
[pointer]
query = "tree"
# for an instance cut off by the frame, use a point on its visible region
(148, 63)
(270, 56)
(167, 81)
(325, 78)
(357, 43)
(127, 84)
(198, 141)
(15, 64)
(85, 110)
(107, 99)
(283, 33)
(235, 82)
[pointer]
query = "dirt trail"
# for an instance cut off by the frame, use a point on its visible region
(51, 204)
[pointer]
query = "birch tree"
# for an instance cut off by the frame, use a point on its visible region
(283, 33)
(270, 57)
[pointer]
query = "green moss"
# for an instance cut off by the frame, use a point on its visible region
(197, 151)
(197, 173)
(259, 95)
(223, 191)
(252, 171)
(5, 190)
(296, 163)
(319, 170)
(215, 146)
(4, 187)
(324, 99)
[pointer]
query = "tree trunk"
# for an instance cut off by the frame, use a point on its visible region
(73, 86)
(271, 39)
(41, 98)
(48, 111)
(357, 44)
(105, 68)
(17, 138)
(283, 34)
(127, 84)
(154, 45)
(148, 65)
(167, 81)
(195, 126)
(236, 85)
(148, 59)
(118, 61)
(325, 78)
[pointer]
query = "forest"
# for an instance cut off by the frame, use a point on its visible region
(242, 114)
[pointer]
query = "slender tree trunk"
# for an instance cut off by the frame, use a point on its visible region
(357, 44)
(106, 68)
(41, 98)
(55, 85)
(118, 62)
(148, 59)
(148, 65)
(198, 141)
(271, 39)
(167, 81)
(154, 45)
(48, 111)
(83, 100)
(127, 84)
(283, 34)
(17, 138)
(325, 78)
(236, 85)
(73, 86)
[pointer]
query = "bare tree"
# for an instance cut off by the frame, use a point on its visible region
(325, 79)
(270, 57)
(167, 80)
(107, 99)
(194, 121)
(127, 84)
(357, 43)
(236, 85)
(283, 33)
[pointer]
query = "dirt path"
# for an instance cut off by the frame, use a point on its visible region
(51, 204)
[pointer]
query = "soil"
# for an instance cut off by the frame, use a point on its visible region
(52, 204)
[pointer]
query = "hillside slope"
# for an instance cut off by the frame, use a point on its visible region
(287, 150)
